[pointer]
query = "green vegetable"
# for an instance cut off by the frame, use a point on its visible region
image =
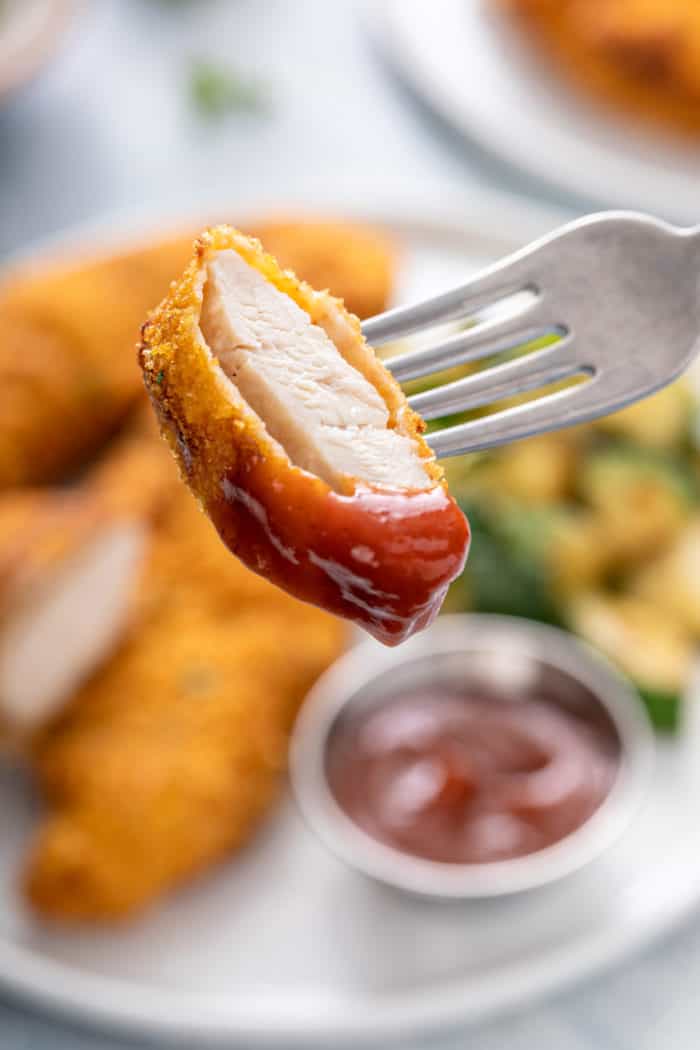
(218, 90)
(417, 386)
(664, 709)
(656, 653)
(506, 571)
(510, 571)
(611, 475)
(672, 581)
(598, 531)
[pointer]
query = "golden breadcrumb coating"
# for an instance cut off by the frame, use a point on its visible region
(39, 529)
(639, 56)
(134, 478)
(67, 375)
(354, 262)
(169, 759)
(175, 365)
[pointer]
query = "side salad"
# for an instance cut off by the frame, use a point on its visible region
(596, 529)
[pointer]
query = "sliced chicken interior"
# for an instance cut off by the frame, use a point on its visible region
(326, 415)
(54, 636)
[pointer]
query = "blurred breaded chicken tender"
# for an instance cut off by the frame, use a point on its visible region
(67, 373)
(167, 759)
(641, 56)
(68, 570)
(68, 331)
(354, 262)
(160, 752)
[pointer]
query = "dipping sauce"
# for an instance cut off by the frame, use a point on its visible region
(471, 778)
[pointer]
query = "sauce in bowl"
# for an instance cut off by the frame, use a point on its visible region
(469, 777)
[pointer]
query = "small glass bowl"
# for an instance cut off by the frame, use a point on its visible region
(495, 652)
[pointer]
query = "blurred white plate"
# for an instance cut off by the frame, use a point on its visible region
(29, 33)
(480, 76)
(285, 946)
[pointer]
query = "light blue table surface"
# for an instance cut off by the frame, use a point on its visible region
(109, 126)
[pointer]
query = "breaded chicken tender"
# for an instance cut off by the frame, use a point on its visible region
(67, 375)
(68, 329)
(297, 441)
(354, 262)
(160, 754)
(72, 573)
(134, 477)
(167, 759)
(68, 571)
(640, 56)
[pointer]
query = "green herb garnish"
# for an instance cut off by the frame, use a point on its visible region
(218, 90)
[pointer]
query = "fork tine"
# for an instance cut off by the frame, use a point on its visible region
(564, 408)
(483, 340)
(506, 380)
(495, 283)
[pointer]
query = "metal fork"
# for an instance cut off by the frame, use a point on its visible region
(620, 292)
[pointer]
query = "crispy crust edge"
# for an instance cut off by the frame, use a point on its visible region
(171, 335)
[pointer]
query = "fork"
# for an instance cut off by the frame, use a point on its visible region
(618, 293)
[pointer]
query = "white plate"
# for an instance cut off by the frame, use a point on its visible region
(284, 945)
(29, 33)
(480, 76)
